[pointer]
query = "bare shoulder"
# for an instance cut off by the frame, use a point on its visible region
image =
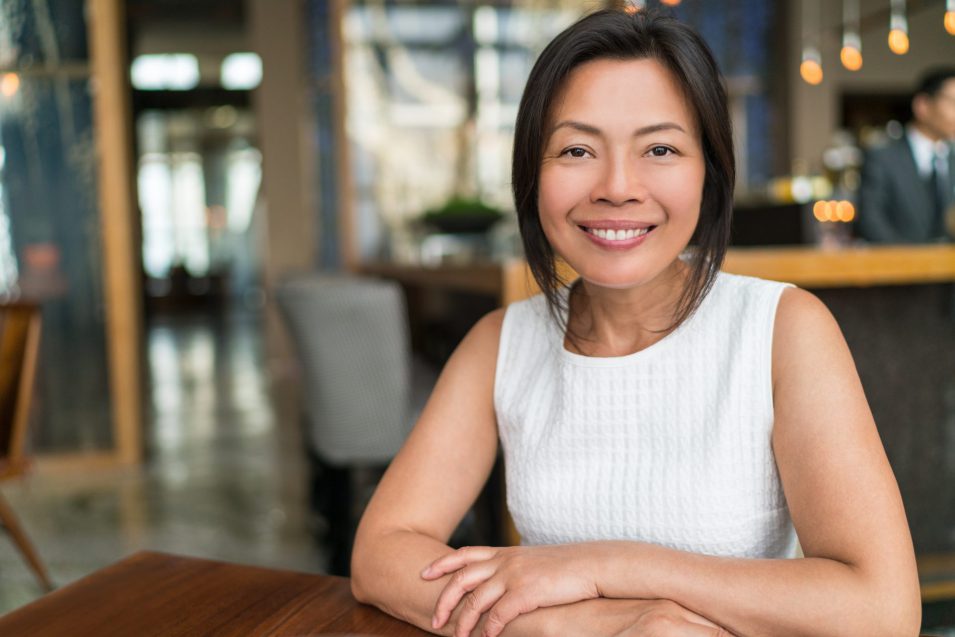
(799, 309)
(805, 333)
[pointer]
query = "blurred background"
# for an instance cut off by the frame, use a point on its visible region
(167, 166)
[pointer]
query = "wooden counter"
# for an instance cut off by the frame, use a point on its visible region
(850, 267)
(806, 267)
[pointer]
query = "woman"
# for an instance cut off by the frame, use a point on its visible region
(667, 429)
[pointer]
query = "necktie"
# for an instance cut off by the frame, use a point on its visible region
(941, 190)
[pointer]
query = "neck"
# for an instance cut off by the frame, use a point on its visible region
(616, 322)
(927, 131)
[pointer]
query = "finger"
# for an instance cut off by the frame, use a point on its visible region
(475, 604)
(693, 618)
(462, 582)
(693, 629)
(457, 560)
(507, 609)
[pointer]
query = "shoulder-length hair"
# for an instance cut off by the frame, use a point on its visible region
(619, 35)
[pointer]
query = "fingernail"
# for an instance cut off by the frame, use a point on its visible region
(426, 571)
(434, 621)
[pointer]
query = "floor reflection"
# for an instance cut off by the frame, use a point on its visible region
(224, 477)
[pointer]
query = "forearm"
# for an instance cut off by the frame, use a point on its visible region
(809, 596)
(386, 572)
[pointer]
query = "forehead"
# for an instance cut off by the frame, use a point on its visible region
(628, 92)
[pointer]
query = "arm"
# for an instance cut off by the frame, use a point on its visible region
(858, 576)
(431, 483)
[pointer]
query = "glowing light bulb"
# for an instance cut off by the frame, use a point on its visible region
(671, 3)
(819, 210)
(845, 211)
(9, 84)
(851, 58)
(811, 71)
(898, 41)
(950, 21)
(851, 53)
(831, 213)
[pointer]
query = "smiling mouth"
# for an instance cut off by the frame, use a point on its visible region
(621, 234)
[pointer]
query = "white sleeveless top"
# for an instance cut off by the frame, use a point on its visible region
(669, 445)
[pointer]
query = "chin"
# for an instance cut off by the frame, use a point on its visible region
(617, 281)
(628, 276)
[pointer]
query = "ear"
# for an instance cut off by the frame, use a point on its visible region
(920, 104)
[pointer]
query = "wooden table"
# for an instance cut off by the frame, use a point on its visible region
(172, 596)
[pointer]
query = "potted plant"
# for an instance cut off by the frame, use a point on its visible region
(461, 215)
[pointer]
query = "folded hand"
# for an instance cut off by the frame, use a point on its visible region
(507, 582)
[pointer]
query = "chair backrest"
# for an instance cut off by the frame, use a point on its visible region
(19, 347)
(351, 335)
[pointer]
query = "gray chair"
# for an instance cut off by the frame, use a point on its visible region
(361, 391)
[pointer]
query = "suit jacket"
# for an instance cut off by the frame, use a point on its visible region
(896, 205)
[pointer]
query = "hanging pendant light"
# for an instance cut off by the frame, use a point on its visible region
(950, 16)
(810, 67)
(898, 29)
(851, 53)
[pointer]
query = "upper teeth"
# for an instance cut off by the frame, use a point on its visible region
(617, 235)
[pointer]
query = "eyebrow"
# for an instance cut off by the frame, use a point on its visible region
(593, 130)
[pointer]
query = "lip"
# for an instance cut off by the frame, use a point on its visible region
(615, 224)
(626, 244)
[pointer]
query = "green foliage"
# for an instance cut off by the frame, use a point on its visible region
(462, 214)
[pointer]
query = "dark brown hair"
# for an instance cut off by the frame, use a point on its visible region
(933, 80)
(619, 35)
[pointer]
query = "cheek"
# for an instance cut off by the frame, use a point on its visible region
(559, 193)
(681, 193)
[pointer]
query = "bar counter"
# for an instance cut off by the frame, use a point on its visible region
(806, 267)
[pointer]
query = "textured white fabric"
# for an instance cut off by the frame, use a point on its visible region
(669, 445)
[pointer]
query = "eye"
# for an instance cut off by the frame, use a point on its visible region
(576, 152)
(661, 151)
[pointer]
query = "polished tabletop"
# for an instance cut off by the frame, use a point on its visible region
(174, 596)
(169, 595)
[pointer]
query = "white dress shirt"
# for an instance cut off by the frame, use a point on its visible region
(929, 155)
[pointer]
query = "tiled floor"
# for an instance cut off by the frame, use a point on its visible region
(224, 479)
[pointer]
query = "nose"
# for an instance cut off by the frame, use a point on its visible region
(620, 182)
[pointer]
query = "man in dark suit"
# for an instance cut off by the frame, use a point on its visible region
(908, 184)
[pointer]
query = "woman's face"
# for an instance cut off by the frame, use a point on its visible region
(621, 179)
